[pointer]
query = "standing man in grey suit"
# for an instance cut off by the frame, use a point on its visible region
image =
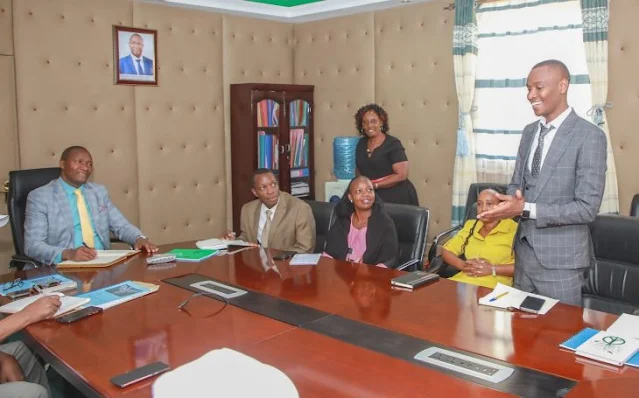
(556, 189)
(70, 217)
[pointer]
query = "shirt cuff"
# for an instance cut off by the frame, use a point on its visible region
(532, 208)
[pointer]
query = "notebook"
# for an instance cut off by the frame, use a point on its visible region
(117, 294)
(509, 297)
(218, 244)
(192, 255)
(608, 347)
(627, 325)
(48, 284)
(578, 339)
(69, 303)
(305, 259)
(104, 258)
(414, 279)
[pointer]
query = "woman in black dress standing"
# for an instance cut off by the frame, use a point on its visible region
(381, 157)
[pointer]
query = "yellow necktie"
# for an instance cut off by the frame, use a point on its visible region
(85, 221)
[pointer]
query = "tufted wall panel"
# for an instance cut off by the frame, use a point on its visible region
(414, 82)
(623, 92)
(66, 96)
(337, 57)
(179, 127)
(6, 27)
(255, 51)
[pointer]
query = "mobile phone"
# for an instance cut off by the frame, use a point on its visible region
(18, 294)
(77, 315)
(532, 304)
(139, 374)
(283, 256)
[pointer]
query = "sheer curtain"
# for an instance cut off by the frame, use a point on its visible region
(514, 35)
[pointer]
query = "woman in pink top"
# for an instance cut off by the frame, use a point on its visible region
(362, 231)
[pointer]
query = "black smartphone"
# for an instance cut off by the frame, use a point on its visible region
(18, 294)
(532, 304)
(283, 256)
(79, 314)
(139, 374)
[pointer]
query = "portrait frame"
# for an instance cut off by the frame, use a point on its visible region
(135, 59)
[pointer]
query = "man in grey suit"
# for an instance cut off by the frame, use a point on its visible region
(556, 189)
(69, 218)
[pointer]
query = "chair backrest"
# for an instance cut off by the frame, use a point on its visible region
(473, 194)
(611, 284)
(411, 223)
(322, 212)
(634, 207)
(21, 182)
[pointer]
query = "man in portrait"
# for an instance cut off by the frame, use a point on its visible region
(135, 63)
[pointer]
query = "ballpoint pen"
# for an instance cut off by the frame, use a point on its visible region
(498, 296)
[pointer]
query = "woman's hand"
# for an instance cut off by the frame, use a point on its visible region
(478, 267)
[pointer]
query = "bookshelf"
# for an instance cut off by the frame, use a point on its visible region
(271, 127)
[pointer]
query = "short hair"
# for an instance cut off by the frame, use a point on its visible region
(259, 172)
(555, 63)
(136, 34)
(359, 117)
(67, 152)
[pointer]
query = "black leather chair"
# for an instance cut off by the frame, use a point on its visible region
(436, 264)
(411, 223)
(21, 182)
(634, 206)
(611, 284)
(323, 213)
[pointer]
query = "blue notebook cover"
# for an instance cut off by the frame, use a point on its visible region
(581, 337)
(50, 283)
(120, 291)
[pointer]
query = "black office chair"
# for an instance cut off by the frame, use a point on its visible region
(436, 264)
(411, 223)
(21, 182)
(322, 212)
(634, 207)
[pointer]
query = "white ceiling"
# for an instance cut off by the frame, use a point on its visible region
(302, 13)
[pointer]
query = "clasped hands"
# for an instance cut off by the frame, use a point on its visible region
(478, 267)
(509, 207)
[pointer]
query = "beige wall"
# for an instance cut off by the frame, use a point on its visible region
(163, 151)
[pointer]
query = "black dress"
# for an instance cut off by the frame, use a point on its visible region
(380, 164)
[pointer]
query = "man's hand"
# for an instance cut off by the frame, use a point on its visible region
(145, 244)
(230, 235)
(10, 369)
(82, 253)
(43, 308)
(511, 206)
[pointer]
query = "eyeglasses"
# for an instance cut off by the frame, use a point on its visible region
(10, 285)
(211, 295)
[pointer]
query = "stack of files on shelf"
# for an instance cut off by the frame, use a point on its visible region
(299, 148)
(618, 345)
(111, 296)
(299, 113)
(69, 303)
(299, 188)
(47, 284)
(267, 113)
(267, 154)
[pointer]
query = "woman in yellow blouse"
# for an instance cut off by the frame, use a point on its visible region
(483, 251)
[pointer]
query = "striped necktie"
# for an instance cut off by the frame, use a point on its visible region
(536, 163)
(85, 221)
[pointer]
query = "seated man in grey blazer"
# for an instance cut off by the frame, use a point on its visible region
(21, 374)
(276, 219)
(69, 218)
(556, 189)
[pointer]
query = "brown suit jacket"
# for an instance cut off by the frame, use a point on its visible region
(292, 227)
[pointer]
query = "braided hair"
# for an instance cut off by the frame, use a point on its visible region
(359, 116)
(472, 229)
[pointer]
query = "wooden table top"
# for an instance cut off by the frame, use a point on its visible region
(447, 313)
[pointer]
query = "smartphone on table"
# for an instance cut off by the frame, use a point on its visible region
(139, 374)
(79, 314)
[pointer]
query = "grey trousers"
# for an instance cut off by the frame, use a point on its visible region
(36, 384)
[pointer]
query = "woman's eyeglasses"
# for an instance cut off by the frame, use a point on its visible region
(10, 285)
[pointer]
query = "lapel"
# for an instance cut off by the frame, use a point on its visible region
(374, 234)
(527, 140)
(91, 198)
(256, 222)
(63, 202)
(556, 150)
(278, 216)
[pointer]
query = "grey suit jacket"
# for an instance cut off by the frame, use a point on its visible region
(568, 192)
(48, 224)
(292, 227)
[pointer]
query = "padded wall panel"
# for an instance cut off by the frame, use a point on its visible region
(66, 95)
(623, 92)
(8, 148)
(180, 126)
(255, 51)
(337, 57)
(6, 28)
(415, 84)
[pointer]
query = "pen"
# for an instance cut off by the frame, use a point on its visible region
(498, 296)
(37, 288)
(85, 245)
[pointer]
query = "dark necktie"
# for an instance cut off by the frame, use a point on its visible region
(536, 164)
(140, 71)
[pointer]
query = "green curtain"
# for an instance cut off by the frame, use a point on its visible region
(595, 15)
(465, 63)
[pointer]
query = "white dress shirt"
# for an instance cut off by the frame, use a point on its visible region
(550, 136)
(262, 222)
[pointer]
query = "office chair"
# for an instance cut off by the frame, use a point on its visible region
(436, 264)
(21, 182)
(411, 223)
(634, 207)
(322, 212)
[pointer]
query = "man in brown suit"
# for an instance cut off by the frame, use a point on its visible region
(276, 219)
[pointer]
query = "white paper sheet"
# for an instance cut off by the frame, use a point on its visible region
(514, 298)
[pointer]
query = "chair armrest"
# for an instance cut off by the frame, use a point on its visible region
(407, 264)
(20, 261)
(437, 265)
(432, 252)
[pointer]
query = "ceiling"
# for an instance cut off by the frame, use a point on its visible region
(290, 10)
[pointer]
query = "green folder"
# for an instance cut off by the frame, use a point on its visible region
(192, 254)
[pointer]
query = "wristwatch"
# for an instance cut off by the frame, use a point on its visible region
(525, 214)
(494, 271)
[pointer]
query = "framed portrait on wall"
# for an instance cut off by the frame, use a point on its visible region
(135, 56)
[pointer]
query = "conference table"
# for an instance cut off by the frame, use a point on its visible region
(335, 329)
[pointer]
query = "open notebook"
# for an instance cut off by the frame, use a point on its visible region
(104, 258)
(69, 303)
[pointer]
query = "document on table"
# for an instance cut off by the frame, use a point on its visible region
(305, 259)
(509, 297)
(627, 325)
